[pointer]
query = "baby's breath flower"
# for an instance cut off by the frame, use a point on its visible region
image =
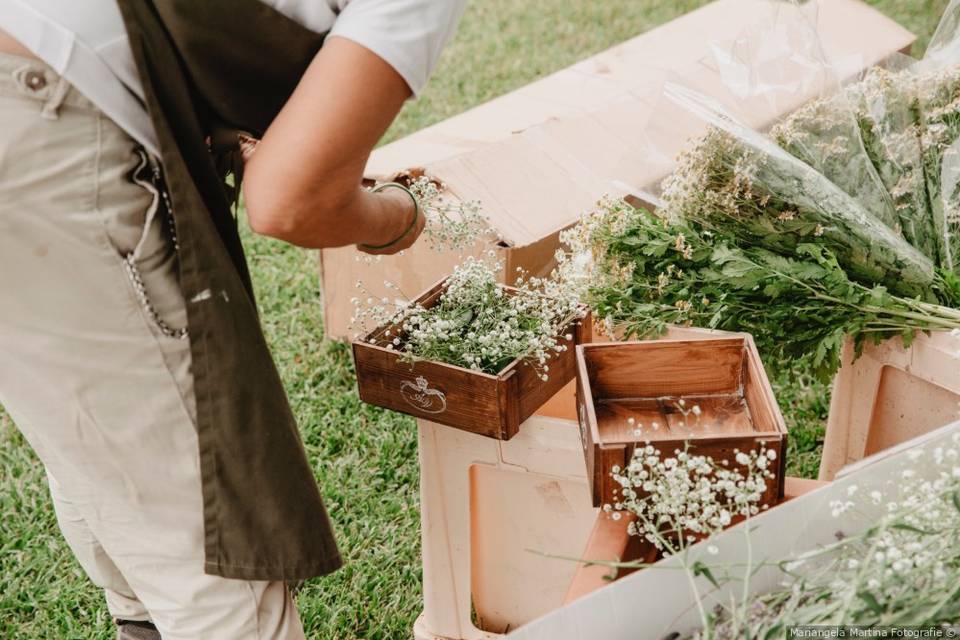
(451, 224)
(688, 493)
(478, 323)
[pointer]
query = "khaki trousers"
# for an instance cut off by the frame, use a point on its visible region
(97, 375)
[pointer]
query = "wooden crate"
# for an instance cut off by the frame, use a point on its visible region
(889, 394)
(489, 405)
(645, 381)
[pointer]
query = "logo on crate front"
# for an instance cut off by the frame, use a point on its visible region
(419, 395)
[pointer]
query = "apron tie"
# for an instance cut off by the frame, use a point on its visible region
(228, 157)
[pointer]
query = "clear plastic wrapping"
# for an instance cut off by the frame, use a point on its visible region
(825, 134)
(799, 148)
(740, 181)
(950, 198)
(810, 201)
(936, 87)
(888, 122)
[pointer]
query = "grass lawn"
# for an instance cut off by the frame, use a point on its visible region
(364, 458)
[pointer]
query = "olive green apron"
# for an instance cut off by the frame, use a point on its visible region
(211, 67)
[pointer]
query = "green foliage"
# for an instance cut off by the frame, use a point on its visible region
(799, 306)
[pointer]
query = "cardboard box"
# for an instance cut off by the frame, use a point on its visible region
(539, 157)
(656, 602)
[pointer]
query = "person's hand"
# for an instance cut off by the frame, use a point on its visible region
(398, 216)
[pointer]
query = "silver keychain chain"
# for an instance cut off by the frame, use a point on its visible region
(162, 188)
(133, 272)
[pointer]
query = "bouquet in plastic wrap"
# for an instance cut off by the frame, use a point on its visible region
(843, 219)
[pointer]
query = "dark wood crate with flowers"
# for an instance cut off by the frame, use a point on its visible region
(472, 353)
(705, 397)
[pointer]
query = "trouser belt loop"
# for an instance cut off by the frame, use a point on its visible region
(51, 108)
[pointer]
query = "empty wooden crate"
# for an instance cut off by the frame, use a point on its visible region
(711, 394)
(492, 405)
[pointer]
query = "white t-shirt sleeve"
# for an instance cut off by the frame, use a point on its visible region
(408, 34)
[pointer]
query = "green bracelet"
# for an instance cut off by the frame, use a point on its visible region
(413, 223)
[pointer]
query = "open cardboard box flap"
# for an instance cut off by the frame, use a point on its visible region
(851, 32)
(538, 157)
(655, 602)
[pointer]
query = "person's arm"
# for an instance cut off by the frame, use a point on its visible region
(13, 47)
(303, 183)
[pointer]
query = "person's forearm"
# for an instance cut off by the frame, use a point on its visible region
(302, 184)
(362, 218)
(13, 47)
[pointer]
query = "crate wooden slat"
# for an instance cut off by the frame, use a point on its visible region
(645, 381)
(482, 403)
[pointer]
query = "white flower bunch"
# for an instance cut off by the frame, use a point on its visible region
(903, 569)
(370, 311)
(579, 265)
(913, 545)
(684, 498)
(451, 224)
(479, 323)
